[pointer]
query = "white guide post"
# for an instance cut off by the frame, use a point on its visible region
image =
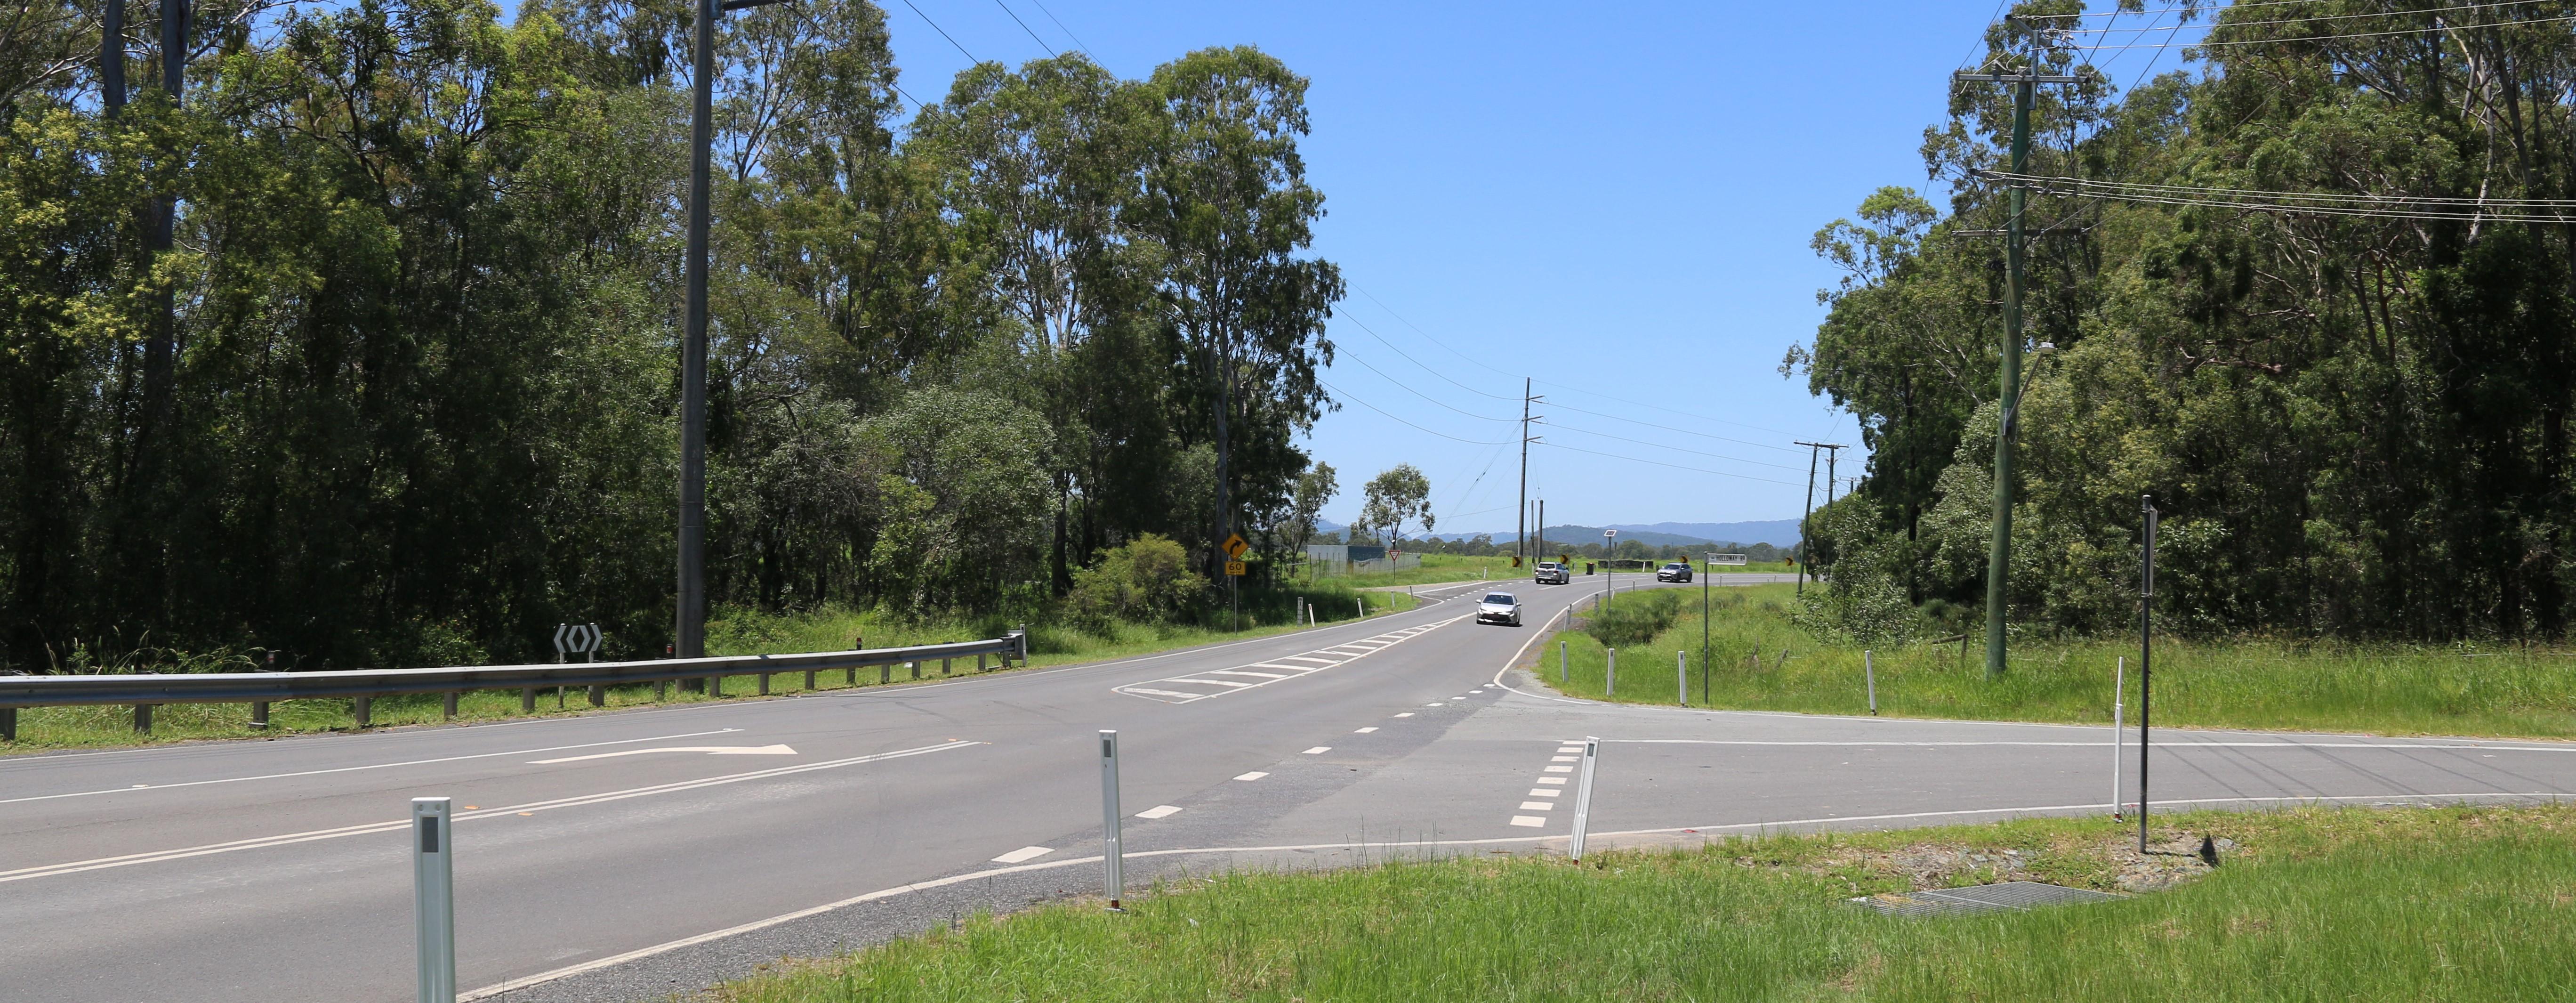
(433, 875)
(1112, 855)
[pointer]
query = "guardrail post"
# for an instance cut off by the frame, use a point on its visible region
(599, 696)
(661, 690)
(982, 661)
(433, 879)
(362, 708)
(764, 684)
(527, 700)
(943, 666)
(259, 714)
(447, 706)
(809, 680)
(143, 719)
(8, 724)
(885, 672)
(858, 642)
(915, 666)
(715, 686)
(1113, 853)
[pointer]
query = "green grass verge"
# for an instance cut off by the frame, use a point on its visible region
(2433, 904)
(738, 633)
(2235, 684)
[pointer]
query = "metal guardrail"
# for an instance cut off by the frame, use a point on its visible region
(259, 689)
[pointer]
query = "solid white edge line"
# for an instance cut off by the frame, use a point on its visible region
(954, 879)
(367, 766)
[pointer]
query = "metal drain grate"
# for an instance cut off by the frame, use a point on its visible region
(2009, 895)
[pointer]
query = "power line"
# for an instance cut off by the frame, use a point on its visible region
(1660, 463)
(2307, 203)
(943, 33)
(1670, 428)
(1408, 357)
(1355, 400)
(1659, 407)
(2108, 30)
(1408, 388)
(1068, 32)
(2206, 9)
(2207, 43)
(1677, 449)
(1426, 335)
(1024, 26)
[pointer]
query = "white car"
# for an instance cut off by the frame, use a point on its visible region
(1499, 607)
(1550, 573)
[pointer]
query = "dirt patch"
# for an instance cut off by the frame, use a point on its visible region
(2102, 864)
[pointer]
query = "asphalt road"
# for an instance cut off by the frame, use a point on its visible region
(616, 856)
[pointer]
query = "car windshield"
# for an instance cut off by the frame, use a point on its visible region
(1669, 567)
(1501, 599)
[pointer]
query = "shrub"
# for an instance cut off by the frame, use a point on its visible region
(1635, 619)
(1146, 580)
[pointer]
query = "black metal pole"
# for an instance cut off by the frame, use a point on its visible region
(2146, 652)
(690, 641)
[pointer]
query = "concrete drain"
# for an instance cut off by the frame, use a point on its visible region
(2008, 896)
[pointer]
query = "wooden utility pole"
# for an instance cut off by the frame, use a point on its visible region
(1521, 544)
(1806, 556)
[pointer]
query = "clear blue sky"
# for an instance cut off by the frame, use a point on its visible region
(1615, 200)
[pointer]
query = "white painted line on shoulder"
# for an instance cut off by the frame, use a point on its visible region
(1406, 714)
(1318, 750)
(1254, 775)
(1210, 682)
(1163, 693)
(1241, 672)
(1160, 811)
(369, 766)
(712, 750)
(1537, 805)
(1432, 704)
(1565, 759)
(1364, 731)
(1559, 769)
(1545, 792)
(1551, 780)
(1532, 821)
(1024, 854)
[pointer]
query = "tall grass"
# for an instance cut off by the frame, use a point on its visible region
(738, 632)
(2240, 684)
(2444, 904)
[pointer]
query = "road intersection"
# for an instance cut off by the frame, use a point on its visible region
(614, 856)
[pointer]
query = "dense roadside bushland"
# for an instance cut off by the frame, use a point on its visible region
(2356, 426)
(403, 388)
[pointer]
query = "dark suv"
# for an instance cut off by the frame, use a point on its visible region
(1678, 571)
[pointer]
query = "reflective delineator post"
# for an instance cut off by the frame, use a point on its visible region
(433, 876)
(1583, 795)
(1681, 676)
(1869, 678)
(1112, 855)
(2119, 679)
(1561, 661)
(1610, 672)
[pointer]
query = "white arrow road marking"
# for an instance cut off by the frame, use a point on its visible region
(712, 750)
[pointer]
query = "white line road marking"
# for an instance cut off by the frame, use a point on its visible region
(1318, 750)
(1406, 714)
(1160, 811)
(370, 766)
(2160, 746)
(1532, 821)
(1254, 775)
(1434, 704)
(1551, 780)
(1559, 769)
(1537, 805)
(1364, 731)
(712, 750)
(156, 856)
(956, 879)
(1024, 854)
(1544, 792)
(1564, 759)
(1149, 689)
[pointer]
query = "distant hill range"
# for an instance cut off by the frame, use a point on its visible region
(1776, 532)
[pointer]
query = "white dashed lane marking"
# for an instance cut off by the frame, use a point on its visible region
(1318, 750)
(1532, 821)
(1159, 811)
(1363, 731)
(1176, 689)
(1406, 714)
(1023, 854)
(1537, 805)
(1254, 775)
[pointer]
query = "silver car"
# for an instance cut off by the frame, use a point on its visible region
(1550, 573)
(1499, 607)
